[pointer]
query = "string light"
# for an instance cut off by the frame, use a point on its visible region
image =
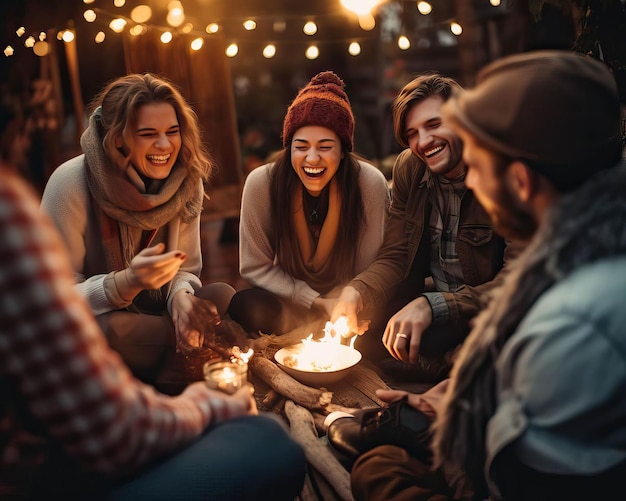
(8, 51)
(68, 36)
(269, 51)
(424, 8)
(312, 52)
(310, 28)
(141, 14)
(354, 49)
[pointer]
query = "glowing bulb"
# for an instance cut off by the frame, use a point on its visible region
(89, 15)
(212, 28)
(249, 24)
(136, 30)
(360, 6)
(68, 36)
(100, 36)
(8, 51)
(354, 49)
(232, 50)
(41, 48)
(119, 3)
(197, 43)
(118, 25)
(141, 14)
(310, 28)
(495, 3)
(20, 31)
(367, 22)
(29, 42)
(166, 37)
(42, 36)
(404, 43)
(87, 2)
(269, 51)
(424, 8)
(456, 28)
(187, 28)
(175, 14)
(312, 52)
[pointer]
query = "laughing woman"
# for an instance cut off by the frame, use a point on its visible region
(312, 219)
(128, 210)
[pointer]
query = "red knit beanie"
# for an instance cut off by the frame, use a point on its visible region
(322, 102)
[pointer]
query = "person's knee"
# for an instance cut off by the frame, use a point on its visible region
(374, 468)
(219, 293)
(256, 310)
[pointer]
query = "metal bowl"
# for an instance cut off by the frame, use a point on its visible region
(318, 378)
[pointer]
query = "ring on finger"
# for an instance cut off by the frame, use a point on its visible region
(400, 334)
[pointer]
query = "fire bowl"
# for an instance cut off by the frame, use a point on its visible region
(318, 378)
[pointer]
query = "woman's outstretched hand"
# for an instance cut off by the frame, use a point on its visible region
(192, 316)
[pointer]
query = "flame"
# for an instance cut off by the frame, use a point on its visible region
(237, 354)
(321, 355)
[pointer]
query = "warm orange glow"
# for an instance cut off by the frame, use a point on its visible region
(325, 354)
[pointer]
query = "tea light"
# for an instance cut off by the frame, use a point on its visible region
(225, 375)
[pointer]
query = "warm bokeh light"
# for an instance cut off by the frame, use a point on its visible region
(354, 49)
(42, 36)
(89, 15)
(29, 42)
(138, 29)
(312, 52)
(360, 6)
(119, 3)
(367, 22)
(279, 26)
(8, 51)
(249, 24)
(187, 28)
(495, 3)
(87, 2)
(141, 14)
(68, 36)
(20, 31)
(100, 36)
(212, 28)
(197, 43)
(269, 51)
(41, 48)
(456, 28)
(175, 14)
(404, 43)
(232, 50)
(424, 8)
(118, 25)
(310, 28)
(166, 37)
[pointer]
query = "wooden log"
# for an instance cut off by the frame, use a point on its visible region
(299, 333)
(284, 384)
(304, 432)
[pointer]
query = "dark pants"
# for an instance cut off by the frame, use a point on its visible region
(246, 458)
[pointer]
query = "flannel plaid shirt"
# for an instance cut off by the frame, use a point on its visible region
(57, 371)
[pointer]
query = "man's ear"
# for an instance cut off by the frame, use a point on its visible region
(521, 180)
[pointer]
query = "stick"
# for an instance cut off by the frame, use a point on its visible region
(303, 431)
(284, 384)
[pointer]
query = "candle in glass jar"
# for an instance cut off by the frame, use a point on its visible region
(225, 375)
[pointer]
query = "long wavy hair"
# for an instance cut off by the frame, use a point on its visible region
(120, 101)
(283, 184)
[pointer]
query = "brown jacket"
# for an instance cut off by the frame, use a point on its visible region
(403, 262)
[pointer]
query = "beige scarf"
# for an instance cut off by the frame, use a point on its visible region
(314, 258)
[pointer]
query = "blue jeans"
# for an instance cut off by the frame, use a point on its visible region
(251, 457)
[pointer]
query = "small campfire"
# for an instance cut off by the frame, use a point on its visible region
(323, 360)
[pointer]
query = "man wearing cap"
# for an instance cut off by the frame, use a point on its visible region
(440, 254)
(536, 403)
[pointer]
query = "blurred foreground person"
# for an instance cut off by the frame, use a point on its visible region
(536, 403)
(75, 424)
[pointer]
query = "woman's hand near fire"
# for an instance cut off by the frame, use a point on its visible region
(191, 316)
(349, 304)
